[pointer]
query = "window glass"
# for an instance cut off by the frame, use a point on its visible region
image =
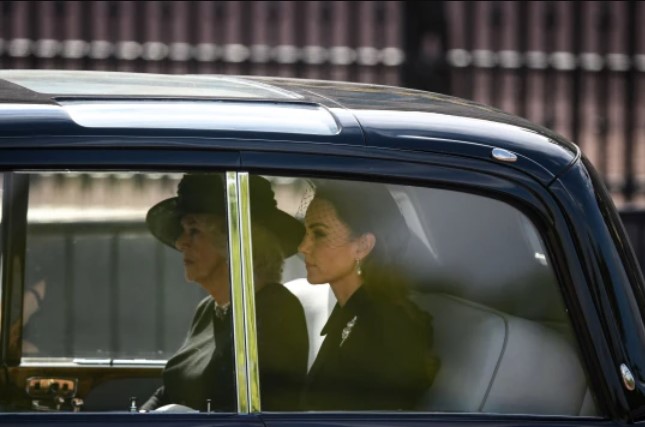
(418, 299)
(130, 270)
(97, 284)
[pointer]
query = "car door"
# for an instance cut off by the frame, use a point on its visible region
(93, 306)
(492, 260)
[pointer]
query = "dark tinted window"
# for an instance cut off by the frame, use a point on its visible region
(477, 267)
(98, 285)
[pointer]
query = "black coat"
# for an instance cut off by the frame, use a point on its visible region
(204, 368)
(376, 356)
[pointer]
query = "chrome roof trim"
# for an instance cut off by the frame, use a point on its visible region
(277, 117)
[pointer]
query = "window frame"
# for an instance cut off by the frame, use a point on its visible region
(14, 240)
(14, 232)
(403, 168)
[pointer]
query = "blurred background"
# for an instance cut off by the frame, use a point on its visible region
(577, 67)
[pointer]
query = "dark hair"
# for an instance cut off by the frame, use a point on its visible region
(370, 208)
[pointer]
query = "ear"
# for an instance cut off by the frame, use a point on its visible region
(365, 245)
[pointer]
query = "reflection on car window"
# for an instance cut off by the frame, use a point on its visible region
(458, 313)
(369, 296)
(200, 375)
(97, 285)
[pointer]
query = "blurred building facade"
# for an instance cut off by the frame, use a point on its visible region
(575, 66)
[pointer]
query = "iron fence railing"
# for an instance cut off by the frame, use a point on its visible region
(315, 39)
(577, 67)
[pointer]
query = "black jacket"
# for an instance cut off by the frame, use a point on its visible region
(376, 356)
(204, 368)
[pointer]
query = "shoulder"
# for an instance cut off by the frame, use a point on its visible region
(277, 303)
(399, 318)
(276, 295)
(203, 306)
(280, 316)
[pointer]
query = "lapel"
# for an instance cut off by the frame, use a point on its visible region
(331, 341)
(356, 306)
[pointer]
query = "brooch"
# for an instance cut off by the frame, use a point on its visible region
(347, 330)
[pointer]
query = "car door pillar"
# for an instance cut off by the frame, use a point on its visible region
(242, 292)
(14, 227)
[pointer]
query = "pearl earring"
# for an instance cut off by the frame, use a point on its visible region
(359, 271)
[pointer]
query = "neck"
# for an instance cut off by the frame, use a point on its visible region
(219, 290)
(345, 289)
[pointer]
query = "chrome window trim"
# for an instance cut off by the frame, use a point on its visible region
(15, 195)
(248, 287)
(243, 293)
(237, 293)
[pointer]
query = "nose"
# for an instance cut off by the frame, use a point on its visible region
(182, 241)
(304, 246)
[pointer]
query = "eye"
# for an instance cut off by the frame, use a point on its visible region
(316, 232)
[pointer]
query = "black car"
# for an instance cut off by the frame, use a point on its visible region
(513, 247)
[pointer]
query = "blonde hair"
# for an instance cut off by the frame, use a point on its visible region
(268, 257)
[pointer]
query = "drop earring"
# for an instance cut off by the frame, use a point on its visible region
(357, 266)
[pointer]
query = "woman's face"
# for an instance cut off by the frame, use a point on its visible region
(203, 245)
(329, 249)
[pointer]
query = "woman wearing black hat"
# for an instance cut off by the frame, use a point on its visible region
(377, 351)
(201, 375)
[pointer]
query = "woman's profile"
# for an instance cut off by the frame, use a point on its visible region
(201, 375)
(376, 353)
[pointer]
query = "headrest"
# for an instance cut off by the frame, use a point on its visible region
(480, 249)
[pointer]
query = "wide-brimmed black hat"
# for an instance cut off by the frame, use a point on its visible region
(205, 194)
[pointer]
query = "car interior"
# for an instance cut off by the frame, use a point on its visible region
(501, 329)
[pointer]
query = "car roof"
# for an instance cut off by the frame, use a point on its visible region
(364, 114)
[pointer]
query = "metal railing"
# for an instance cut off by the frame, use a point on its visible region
(576, 67)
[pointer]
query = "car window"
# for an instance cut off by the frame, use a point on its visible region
(97, 284)
(128, 271)
(457, 312)
(421, 299)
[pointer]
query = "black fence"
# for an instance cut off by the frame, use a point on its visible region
(353, 40)
(577, 67)
(634, 222)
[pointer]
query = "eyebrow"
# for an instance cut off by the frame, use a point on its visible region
(317, 224)
(188, 222)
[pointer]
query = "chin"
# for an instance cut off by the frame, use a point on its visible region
(315, 281)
